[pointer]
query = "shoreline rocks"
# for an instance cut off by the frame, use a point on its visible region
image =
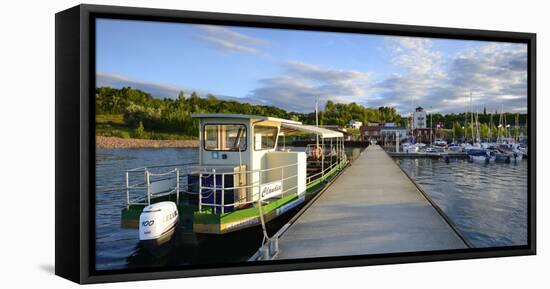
(119, 143)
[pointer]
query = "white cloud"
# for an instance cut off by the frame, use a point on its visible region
(159, 90)
(229, 45)
(496, 74)
(301, 83)
(230, 40)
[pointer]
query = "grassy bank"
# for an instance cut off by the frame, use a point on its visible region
(113, 125)
(113, 132)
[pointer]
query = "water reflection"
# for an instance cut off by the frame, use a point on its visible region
(488, 202)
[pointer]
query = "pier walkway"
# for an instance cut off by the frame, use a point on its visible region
(373, 207)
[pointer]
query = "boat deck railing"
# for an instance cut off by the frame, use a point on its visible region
(261, 177)
(146, 183)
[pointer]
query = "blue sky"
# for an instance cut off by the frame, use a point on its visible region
(289, 68)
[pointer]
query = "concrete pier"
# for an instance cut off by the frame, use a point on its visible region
(373, 207)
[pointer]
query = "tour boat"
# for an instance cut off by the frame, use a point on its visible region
(242, 179)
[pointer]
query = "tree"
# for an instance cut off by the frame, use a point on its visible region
(484, 130)
(139, 131)
(181, 96)
(137, 111)
(458, 132)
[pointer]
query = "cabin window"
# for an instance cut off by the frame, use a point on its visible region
(265, 137)
(225, 137)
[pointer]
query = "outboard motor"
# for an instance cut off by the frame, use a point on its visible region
(158, 221)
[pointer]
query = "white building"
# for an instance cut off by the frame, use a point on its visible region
(419, 118)
(355, 124)
(390, 130)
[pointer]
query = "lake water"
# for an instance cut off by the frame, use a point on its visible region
(487, 202)
(114, 245)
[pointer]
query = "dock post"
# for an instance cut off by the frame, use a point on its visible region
(264, 252)
(273, 247)
(397, 141)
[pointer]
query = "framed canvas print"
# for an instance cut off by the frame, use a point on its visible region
(195, 144)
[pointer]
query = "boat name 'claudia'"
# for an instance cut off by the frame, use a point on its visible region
(271, 189)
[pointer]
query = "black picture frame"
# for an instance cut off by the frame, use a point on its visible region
(75, 141)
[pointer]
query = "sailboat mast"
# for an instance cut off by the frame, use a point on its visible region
(478, 138)
(508, 135)
(490, 127)
(466, 124)
(499, 138)
(472, 116)
(317, 120)
(516, 129)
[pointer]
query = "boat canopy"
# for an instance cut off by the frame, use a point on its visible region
(321, 132)
(244, 116)
(286, 125)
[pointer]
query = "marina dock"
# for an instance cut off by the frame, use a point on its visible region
(372, 208)
(460, 155)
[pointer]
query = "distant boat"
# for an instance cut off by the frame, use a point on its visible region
(440, 143)
(511, 150)
(413, 148)
(469, 147)
(431, 150)
(435, 149)
(410, 148)
(453, 147)
(480, 156)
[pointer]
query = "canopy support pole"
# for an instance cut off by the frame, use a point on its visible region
(323, 157)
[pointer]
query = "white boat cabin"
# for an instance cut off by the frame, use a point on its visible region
(245, 147)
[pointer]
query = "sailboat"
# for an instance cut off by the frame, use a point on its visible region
(505, 151)
(479, 153)
(476, 152)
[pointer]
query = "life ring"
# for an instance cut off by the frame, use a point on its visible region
(316, 152)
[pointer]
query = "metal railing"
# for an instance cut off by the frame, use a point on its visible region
(146, 183)
(255, 185)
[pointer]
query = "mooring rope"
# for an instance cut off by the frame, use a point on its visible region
(264, 230)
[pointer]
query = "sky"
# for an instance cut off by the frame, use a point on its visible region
(290, 69)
